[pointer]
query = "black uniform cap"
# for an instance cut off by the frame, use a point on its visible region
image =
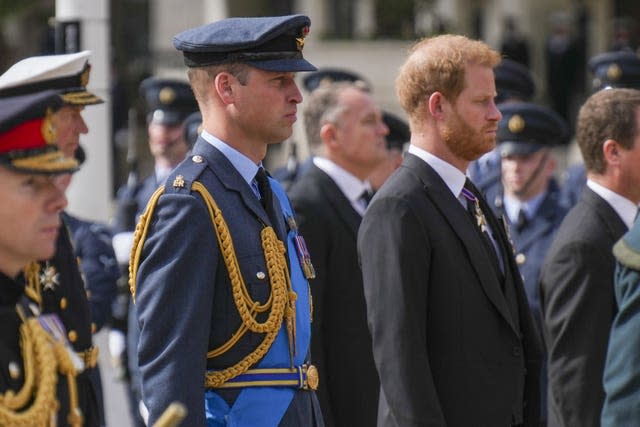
(615, 69)
(526, 128)
(168, 101)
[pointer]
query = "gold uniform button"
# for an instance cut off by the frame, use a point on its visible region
(196, 159)
(63, 303)
(94, 328)
(260, 275)
(521, 258)
(14, 370)
(88, 292)
(73, 336)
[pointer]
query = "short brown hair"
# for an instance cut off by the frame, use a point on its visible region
(607, 114)
(323, 106)
(201, 77)
(437, 64)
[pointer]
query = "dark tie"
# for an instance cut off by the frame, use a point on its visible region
(366, 197)
(522, 220)
(266, 195)
(480, 223)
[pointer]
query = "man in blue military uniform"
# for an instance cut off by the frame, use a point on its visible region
(168, 102)
(622, 367)
(528, 195)
(219, 272)
(39, 373)
(609, 69)
(83, 303)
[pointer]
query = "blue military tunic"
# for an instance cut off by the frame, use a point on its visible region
(185, 303)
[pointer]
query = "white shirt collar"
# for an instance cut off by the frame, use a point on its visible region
(351, 186)
(244, 165)
(452, 177)
(512, 206)
(624, 207)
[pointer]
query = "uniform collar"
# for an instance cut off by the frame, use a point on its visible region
(244, 165)
(513, 206)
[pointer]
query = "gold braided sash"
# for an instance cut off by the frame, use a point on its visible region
(41, 363)
(281, 301)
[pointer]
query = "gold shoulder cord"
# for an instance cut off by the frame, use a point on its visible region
(39, 387)
(281, 302)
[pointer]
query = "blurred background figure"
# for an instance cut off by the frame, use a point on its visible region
(528, 195)
(295, 166)
(399, 135)
(514, 45)
(617, 69)
(168, 102)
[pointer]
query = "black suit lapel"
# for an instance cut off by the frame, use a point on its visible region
(336, 199)
(615, 226)
(461, 224)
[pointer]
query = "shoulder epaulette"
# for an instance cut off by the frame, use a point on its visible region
(182, 179)
(626, 254)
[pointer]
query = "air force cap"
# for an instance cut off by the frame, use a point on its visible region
(513, 81)
(168, 101)
(68, 74)
(526, 128)
(269, 43)
(27, 135)
(615, 69)
(325, 76)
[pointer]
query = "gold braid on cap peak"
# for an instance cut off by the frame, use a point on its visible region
(281, 302)
(52, 161)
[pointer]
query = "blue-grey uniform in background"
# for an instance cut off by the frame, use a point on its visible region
(622, 367)
(207, 254)
(609, 69)
(526, 128)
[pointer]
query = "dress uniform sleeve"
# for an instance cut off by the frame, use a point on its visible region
(99, 268)
(174, 299)
(394, 255)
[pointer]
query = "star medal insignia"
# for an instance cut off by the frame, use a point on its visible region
(49, 278)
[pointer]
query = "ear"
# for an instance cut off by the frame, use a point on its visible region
(328, 134)
(223, 86)
(436, 105)
(611, 151)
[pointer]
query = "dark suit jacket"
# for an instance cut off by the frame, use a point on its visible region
(184, 300)
(451, 348)
(578, 306)
(341, 343)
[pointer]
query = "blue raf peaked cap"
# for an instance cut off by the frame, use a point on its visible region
(513, 81)
(168, 101)
(269, 43)
(325, 76)
(526, 128)
(615, 69)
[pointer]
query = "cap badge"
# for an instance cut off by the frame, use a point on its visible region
(167, 95)
(516, 124)
(614, 72)
(300, 40)
(84, 76)
(47, 129)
